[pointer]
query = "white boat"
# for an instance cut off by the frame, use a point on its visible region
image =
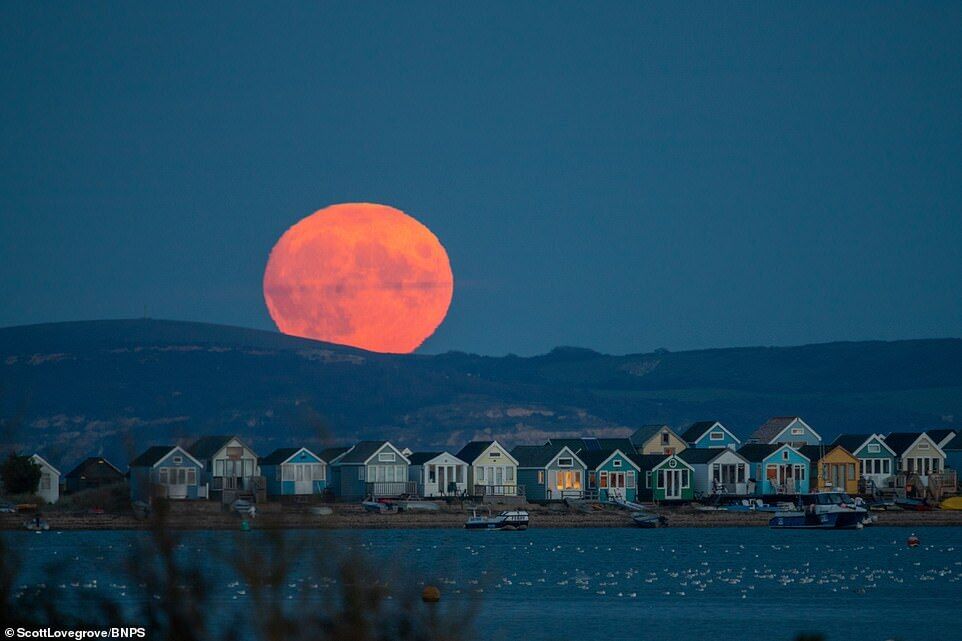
(507, 520)
(823, 511)
(378, 507)
(243, 507)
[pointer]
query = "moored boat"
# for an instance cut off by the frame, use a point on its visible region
(821, 511)
(507, 520)
(952, 503)
(649, 520)
(914, 505)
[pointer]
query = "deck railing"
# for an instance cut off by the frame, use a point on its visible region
(499, 490)
(387, 489)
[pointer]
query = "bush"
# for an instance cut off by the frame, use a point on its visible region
(20, 474)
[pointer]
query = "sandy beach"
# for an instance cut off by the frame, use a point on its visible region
(210, 516)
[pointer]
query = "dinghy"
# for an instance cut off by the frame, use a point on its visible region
(507, 520)
(649, 520)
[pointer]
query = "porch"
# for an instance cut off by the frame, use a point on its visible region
(391, 489)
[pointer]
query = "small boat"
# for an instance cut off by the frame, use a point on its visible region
(507, 520)
(378, 507)
(242, 506)
(321, 510)
(416, 506)
(649, 520)
(914, 505)
(821, 511)
(37, 525)
(953, 503)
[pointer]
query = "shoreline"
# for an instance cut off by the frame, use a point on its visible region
(211, 517)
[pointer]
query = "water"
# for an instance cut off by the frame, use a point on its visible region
(673, 583)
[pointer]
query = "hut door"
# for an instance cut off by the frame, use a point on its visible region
(302, 478)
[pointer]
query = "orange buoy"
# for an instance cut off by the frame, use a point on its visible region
(430, 594)
(913, 541)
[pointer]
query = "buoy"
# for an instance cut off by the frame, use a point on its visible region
(430, 594)
(913, 541)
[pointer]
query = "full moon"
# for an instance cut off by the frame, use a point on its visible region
(359, 274)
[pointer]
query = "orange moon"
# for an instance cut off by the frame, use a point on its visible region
(359, 274)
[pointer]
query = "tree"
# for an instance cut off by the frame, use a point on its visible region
(20, 474)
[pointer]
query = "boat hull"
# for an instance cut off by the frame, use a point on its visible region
(808, 521)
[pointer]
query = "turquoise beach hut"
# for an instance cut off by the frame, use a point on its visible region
(294, 471)
(777, 469)
(611, 474)
(710, 434)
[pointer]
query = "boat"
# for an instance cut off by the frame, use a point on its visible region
(36, 524)
(821, 511)
(416, 506)
(322, 510)
(507, 520)
(649, 520)
(243, 507)
(378, 507)
(952, 503)
(914, 505)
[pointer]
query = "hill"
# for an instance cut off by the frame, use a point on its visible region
(74, 389)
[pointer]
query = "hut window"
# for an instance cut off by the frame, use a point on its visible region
(219, 467)
(886, 466)
(541, 477)
(741, 473)
(716, 472)
(630, 479)
(460, 474)
(717, 436)
(320, 471)
(684, 479)
(481, 474)
(162, 477)
(647, 479)
(923, 445)
(386, 457)
(797, 431)
(660, 479)
(360, 473)
(235, 452)
(851, 470)
(604, 479)
(616, 463)
(287, 472)
(431, 474)
(665, 438)
(178, 460)
(191, 476)
(565, 462)
(785, 455)
(509, 474)
(874, 448)
(935, 466)
(592, 479)
(45, 482)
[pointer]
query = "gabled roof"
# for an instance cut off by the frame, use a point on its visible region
(595, 459)
(816, 453)
(700, 455)
(153, 455)
(539, 456)
(329, 454)
(470, 452)
(902, 442)
(773, 428)
(284, 454)
(364, 450)
(45, 462)
(644, 433)
(206, 446)
(698, 429)
(758, 452)
(647, 462)
(95, 467)
(854, 442)
(940, 435)
(592, 444)
(420, 458)
(955, 444)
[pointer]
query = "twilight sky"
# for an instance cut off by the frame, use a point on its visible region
(610, 176)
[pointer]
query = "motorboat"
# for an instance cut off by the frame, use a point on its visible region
(821, 511)
(649, 520)
(507, 520)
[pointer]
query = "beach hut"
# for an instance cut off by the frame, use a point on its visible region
(371, 469)
(550, 472)
(49, 486)
(710, 434)
(491, 469)
(166, 471)
(230, 467)
(917, 454)
(791, 430)
(611, 474)
(657, 439)
(718, 470)
(877, 461)
(833, 468)
(294, 471)
(941, 437)
(953, 453)
(777, 468)
(92, 473)
(438, 474)
(665, 478)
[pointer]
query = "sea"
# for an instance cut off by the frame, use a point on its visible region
(557, 584)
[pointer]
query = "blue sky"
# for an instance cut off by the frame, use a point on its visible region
(614, 176)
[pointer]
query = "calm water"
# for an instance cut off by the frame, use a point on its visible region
(607, 584)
